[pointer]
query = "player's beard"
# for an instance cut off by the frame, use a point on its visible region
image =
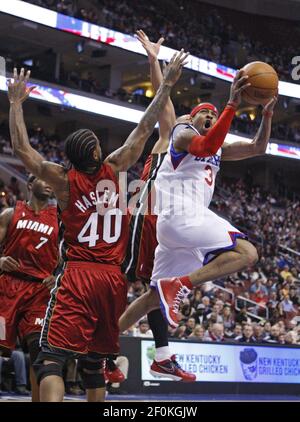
(92, 166)
(44, 197)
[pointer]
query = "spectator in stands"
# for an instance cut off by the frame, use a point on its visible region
(247, 336)
(18, 366)
(138, 289)
(215, 313)
(287, 305)
(281, 339)
(273, 299)
(207, 308)
(180, 332)
(242, 316)
(294, 297)
(186, 311)
(143, 329)
(199, 314)
(195, 300)
(198, 333)
(190, 326)
(217, 333)
(271, 286)
(258, 287)
(290, 338)
(267, 329)
(274, 334)
(228, 319)
(286, 272)
(236, 332)
(258, 332)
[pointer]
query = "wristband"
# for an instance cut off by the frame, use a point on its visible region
(231, 104)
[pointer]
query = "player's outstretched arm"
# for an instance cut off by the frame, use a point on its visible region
(241, 150)
(18, 92)
(208, 145)
(124, 157)
(167, 117)
(7, 263)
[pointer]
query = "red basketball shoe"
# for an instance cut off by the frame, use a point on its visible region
(170, 368)
(112, 373)
(171, 293)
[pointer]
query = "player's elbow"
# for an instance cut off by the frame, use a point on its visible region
(260, 151)
(259, 147)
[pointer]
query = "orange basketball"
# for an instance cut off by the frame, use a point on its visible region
(264, 83)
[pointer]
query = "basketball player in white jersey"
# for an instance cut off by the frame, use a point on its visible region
(196, 245)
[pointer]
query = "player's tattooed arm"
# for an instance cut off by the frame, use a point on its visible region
(241, 150)
(18, 92)
(7, 263)
(123, 158)
(167, 117)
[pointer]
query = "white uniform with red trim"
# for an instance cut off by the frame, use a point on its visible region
(189, 234)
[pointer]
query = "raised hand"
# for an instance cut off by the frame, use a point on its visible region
(238, 85)
(151, 48)
(269, 107)
(18, 91)
(173, 70)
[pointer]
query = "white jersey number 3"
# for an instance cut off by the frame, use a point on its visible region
(89, 232)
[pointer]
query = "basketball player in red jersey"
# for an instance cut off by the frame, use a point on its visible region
(29, 235)
(90, 295)
(138, 263)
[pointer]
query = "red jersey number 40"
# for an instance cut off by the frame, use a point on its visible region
(89, 233)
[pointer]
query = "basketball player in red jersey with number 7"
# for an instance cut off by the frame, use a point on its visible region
(91, 292)
(29, 235)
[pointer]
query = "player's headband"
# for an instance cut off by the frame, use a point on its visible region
(202, 106)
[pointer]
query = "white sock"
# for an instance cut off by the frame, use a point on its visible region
(162, 353)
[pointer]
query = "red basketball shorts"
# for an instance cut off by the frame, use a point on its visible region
(22, 309)
(85, 308)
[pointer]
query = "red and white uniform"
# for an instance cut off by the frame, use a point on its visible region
(189, 234)
(91, 292)
(32, 240)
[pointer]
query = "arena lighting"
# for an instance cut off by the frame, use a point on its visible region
(103, 108)
(98, 33)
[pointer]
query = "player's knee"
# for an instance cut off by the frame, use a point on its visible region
(92, 372)
(43, 370)
(153, 299)
(45, 365)
(250, 254)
